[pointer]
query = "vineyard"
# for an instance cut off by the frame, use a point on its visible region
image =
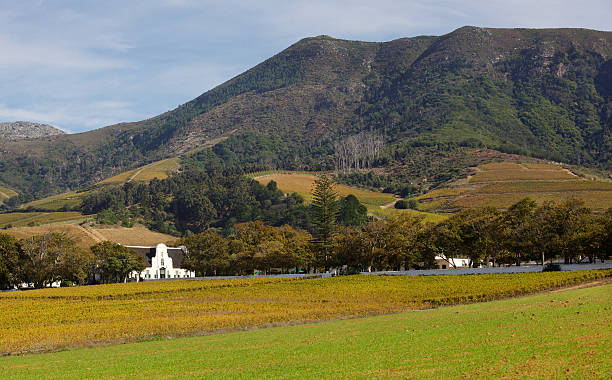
(556, 335)
(51, 319)
(303, 184)
(160, 170)
(378, 204)
(501, 184)
(85, 236)
(21, 219)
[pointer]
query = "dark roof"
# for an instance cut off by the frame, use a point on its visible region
(176, 254)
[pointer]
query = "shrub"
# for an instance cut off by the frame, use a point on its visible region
(402, 204)
(349, 271)
(551, 267)
(413, 204)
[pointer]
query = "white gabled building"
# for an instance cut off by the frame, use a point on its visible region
(162, 262)
(454, 262)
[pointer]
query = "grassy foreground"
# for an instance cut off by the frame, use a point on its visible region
(51, 319)
(564, 334)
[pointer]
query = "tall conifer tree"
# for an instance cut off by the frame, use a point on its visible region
(325, 208)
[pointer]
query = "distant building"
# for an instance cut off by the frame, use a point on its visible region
(455, 262)
(162, 262)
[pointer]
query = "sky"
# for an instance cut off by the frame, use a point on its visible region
(81, 65)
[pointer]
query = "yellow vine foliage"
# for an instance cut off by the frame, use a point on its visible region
(51, 319)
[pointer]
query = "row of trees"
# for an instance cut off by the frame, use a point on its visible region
(55, 258)
(342, 236)
(524, 232)
(357, 151)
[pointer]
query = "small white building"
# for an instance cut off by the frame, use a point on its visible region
(455, 262)
(162, 262)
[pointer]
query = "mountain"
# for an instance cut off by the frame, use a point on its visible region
(20, 130)
(539, 92)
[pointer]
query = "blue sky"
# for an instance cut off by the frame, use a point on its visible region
(81, 65)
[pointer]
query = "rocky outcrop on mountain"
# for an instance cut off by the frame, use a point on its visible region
(20, 130)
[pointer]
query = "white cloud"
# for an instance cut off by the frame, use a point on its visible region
(25, 54)
(82, 65)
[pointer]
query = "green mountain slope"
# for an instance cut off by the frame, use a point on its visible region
(544, 93)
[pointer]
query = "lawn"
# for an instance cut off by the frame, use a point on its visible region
(52, 319)
(564, 334)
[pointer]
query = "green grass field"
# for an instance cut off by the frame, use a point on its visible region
(565, 334)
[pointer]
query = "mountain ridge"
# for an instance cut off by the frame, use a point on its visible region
(541, 92)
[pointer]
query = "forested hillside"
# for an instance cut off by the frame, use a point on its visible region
(541, 93)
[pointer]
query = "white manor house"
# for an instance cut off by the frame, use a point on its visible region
(161, 262)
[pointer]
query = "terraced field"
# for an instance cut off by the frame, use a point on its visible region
(557, 335)
(6, 193)
(22, 219)
(503, 183)
(85, 236)
(67, 200)
(51, 319)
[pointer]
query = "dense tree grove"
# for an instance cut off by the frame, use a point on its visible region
(525, 232)
(253, 247)
(114, 262)
(42, 260)
(193, 201)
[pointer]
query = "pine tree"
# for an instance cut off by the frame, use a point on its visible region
(325, 208)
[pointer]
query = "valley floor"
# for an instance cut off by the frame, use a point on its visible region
(565, 334)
